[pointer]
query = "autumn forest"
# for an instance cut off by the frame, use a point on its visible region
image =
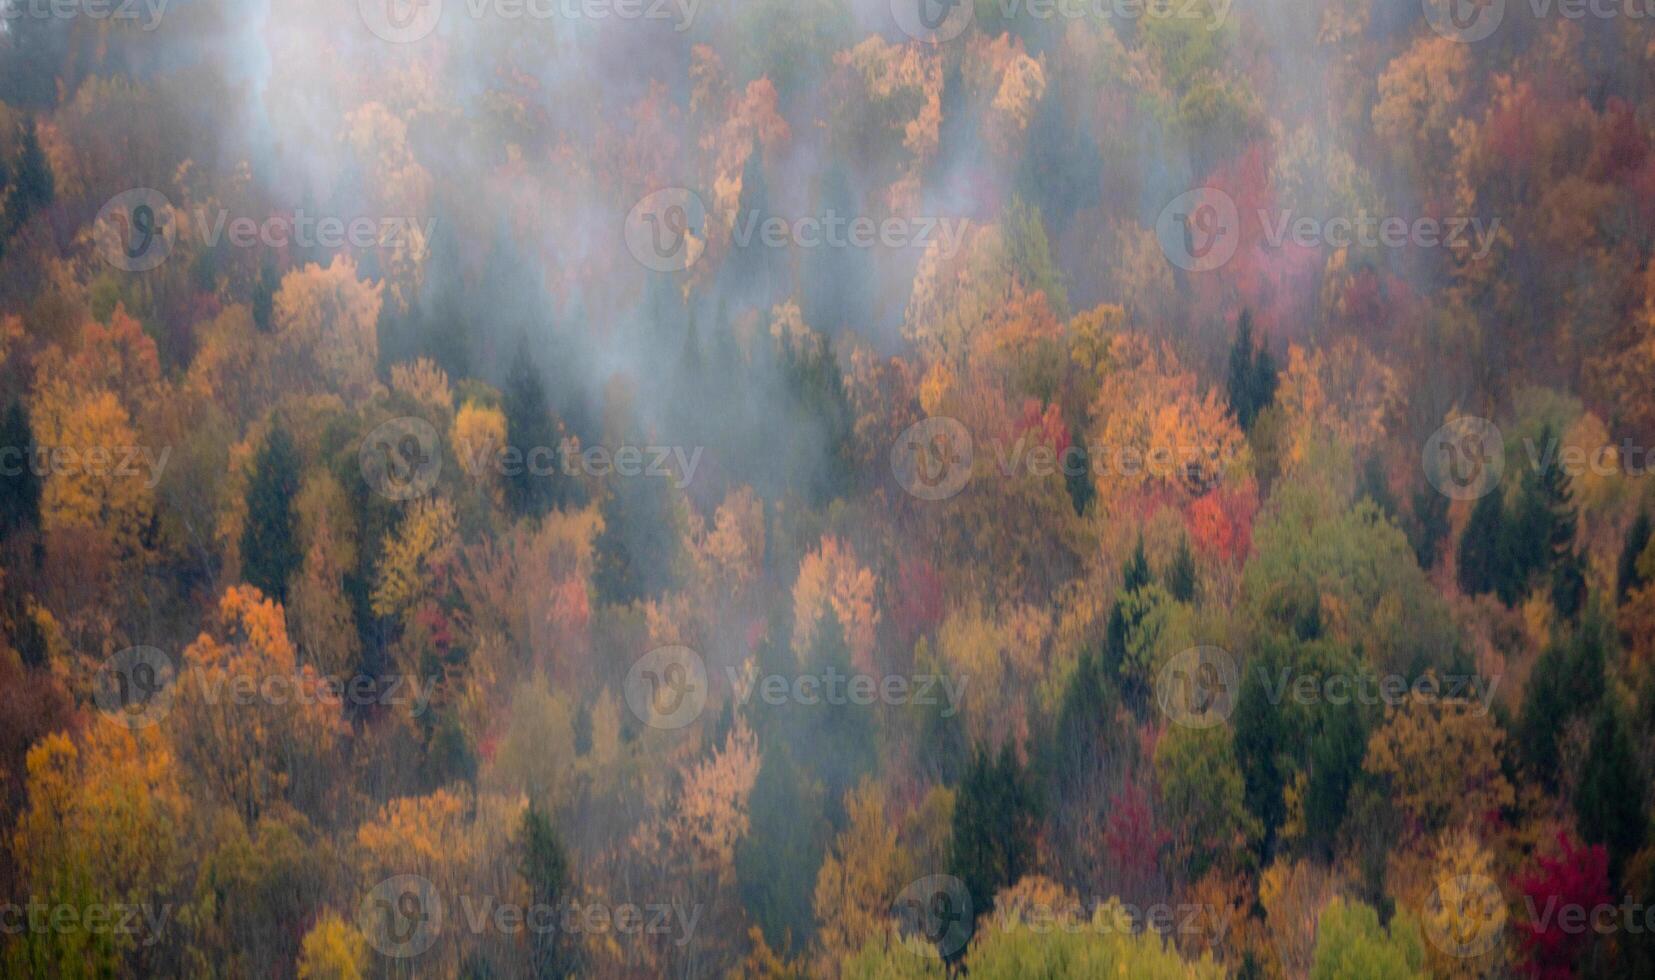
(827, 488)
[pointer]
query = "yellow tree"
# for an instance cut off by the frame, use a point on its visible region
(1407, 752)
(860, 878)
(333, 950)
(106, 825)
(831, 579)
(89, 485)
(247, 717)
(327, 323)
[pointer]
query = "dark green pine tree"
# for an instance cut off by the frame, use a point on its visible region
(1567, 682)
(836, 283)
(957, 131)
(818, 468)
(755, 267)
(1180, 576)
(635, 554)
(1609, 799)
(777, 861)
(1134, 576)
(269, 550)
(1429, 525)
(546, 869)
(1481, 561)
(33, 187)
(1627, 577)
(19, 484)
(536, 482)
(264, 296)
(1251, 382)
(993, 828)
(1261, 742)
(1336, 752)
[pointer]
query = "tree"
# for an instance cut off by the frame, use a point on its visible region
(1201, 789)
(1628, 577)
(269, 549)
(333, 949)
(993, 840)
(1252, 375)
(264, 296)
(33, 186)
(1482, 565)
(1352, 945)
(636, 554)
(1609, 798)
(1567, 682)
(327, 328)
(535, 478)
(19, 483)
(778, 862)
(831, 580)
(1406, 753)
(545, 868)
(860, 877)
(1429, 524)
(1181, 579)
(1576, 877)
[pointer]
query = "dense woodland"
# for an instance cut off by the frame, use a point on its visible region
(1325, 648)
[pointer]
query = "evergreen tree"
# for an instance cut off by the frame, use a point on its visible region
(1609, 800)
(993, 829)
(1481, 561)
(836, 282)
(1567, 682)
(1261, 741)
(777, 861)
(1627, 577)
(1429, 525)
(1180, 577)
(755, 267)
(635, 553)
(19, 484)
(537, 482)
(546, 868)
(1374, 486)
(33, 187)
(264, 297)
(1077, 479)
(1335, 760)
(1251, 382)
(269, 550)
